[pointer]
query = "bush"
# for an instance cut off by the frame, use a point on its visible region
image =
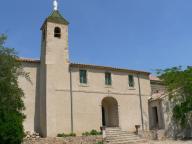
(11, 102)
(61, 135)
(72, 134)
(85, 134)
(92, 132)
(99, 143)
(66, 135)
(11, 128)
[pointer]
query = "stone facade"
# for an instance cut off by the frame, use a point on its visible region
(57, 102)
(160, 113)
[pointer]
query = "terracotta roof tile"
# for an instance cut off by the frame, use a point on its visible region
(28, 60)
(154, 78)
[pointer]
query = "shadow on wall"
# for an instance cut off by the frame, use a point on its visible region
(145, 120)
(37, 103)
(173, 129)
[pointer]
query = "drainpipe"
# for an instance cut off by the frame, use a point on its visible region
(141, 107)
(71, 96)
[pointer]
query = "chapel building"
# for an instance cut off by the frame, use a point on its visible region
(65, 97)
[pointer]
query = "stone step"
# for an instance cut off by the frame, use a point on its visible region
(123, 140)
(121, 137)
(119, 133)
(127, 142)
(130, 142)
(114, 130)
(114, 138)
(118, 136)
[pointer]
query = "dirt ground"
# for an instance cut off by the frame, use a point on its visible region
(92, 140)
(169, 142)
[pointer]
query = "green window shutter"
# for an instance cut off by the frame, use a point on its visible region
(83, 76)
(108, 80)
(105, 79)
(131, 81)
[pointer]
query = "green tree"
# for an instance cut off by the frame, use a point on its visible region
(11, 103)
(178, 83)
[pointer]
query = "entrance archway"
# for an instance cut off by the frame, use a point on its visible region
(110, 116)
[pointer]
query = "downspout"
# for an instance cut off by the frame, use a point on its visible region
(71, 96)
(141, 107)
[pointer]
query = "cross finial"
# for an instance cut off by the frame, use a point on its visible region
(55, 5)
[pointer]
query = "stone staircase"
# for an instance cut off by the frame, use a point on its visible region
(118, 136)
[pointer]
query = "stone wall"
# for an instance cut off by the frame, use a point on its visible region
(69, 140)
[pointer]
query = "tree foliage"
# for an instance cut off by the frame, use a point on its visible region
(178, 83)
(11, 103)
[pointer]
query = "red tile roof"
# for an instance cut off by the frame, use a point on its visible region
(154, 78)
(28, 60)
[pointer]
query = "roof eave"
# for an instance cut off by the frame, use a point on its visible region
(28, 60)
(75, 65)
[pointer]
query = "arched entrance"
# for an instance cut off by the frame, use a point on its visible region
(110, 116)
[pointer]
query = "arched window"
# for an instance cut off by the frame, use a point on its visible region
(57, 32)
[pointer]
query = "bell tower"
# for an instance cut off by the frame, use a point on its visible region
(54, 75)
(55, 38)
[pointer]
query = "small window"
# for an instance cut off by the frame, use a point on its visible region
(83, 76)
(108, 80)
(131, 81)
(57, 32)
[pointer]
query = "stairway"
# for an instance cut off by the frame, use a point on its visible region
(118, 136)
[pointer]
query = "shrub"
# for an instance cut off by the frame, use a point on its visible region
(99, 143)
(11, 128)
(11, 102)
(92, 132)
(72, 134)
(66, 135)
(85, 134)
(61, 135)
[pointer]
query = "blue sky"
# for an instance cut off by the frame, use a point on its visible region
(134, 34)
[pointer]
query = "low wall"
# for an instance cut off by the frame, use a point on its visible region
(68, 140)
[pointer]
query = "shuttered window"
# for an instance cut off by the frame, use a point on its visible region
(83, 76)
(131, 81)
(108, 80)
